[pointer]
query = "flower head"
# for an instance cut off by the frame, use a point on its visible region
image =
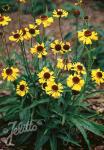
(25, 33)
(4, 20)
(44, 20)
(22, 88)
(22, 1)
(39, 49)
(79, 68)
(46, 75)
(56, 47)
(10, 73)
(64, 64)
(66, 47)
(75, 82)
(79, 3)
(54, 89)
(60, 13)
(97, 76)
(33, 31)
(44, 85)
(16, 36)
(76, 13)
(87, 36)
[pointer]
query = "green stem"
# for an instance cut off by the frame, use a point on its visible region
(76, 53)
(19, 15)
(60, 29)
(31, 42)
(24, 59)
(5, 43)
(27, 65)
(89, 61)
(43, 34)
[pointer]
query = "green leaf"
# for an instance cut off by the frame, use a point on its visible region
(53, 143)
(23, 138)
(8, 100)
(41, 139)
(25, 115)
(93, 127)
(68, 139)
(68, 36)
(36, 103)
(81, 129)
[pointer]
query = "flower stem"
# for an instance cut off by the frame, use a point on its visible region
(43, 33)
(76, 52)
(89, 59)
(5, 43)
(25, 60)
(60, 29)
(19, 15)
(27, 65)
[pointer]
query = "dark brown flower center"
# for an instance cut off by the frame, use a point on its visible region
(58, 47)
(23, 32)
(22, 87)
(39, 48)
(79, 67)
(43, 17)
(76, 12)
(99, 75)
(55, 88)
(87, 33)
(44, 85)
(1, 18)
(86, 17)
(76, 80)
(46, 75)
(9, 71)
(31, 31)
(66, 47)
(16, 36)
(59, 12)
(1, 33)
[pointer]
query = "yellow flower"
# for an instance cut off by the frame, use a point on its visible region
(54, 89)
(25, 33)
(39, 49)
(87, 36)
(66, 47)
(22, 1)
(97, 76)
(22, 88)
(10, 73)
(79, 3)
(33, 31)
(75, 82)
(45, 21)
(60, 13)
(63, 64)
(45, 75)
(44, 85)
(56, 46)
(79, 68)
(4, 20)
(16, 36)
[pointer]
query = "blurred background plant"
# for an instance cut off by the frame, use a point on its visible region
(35, 7)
